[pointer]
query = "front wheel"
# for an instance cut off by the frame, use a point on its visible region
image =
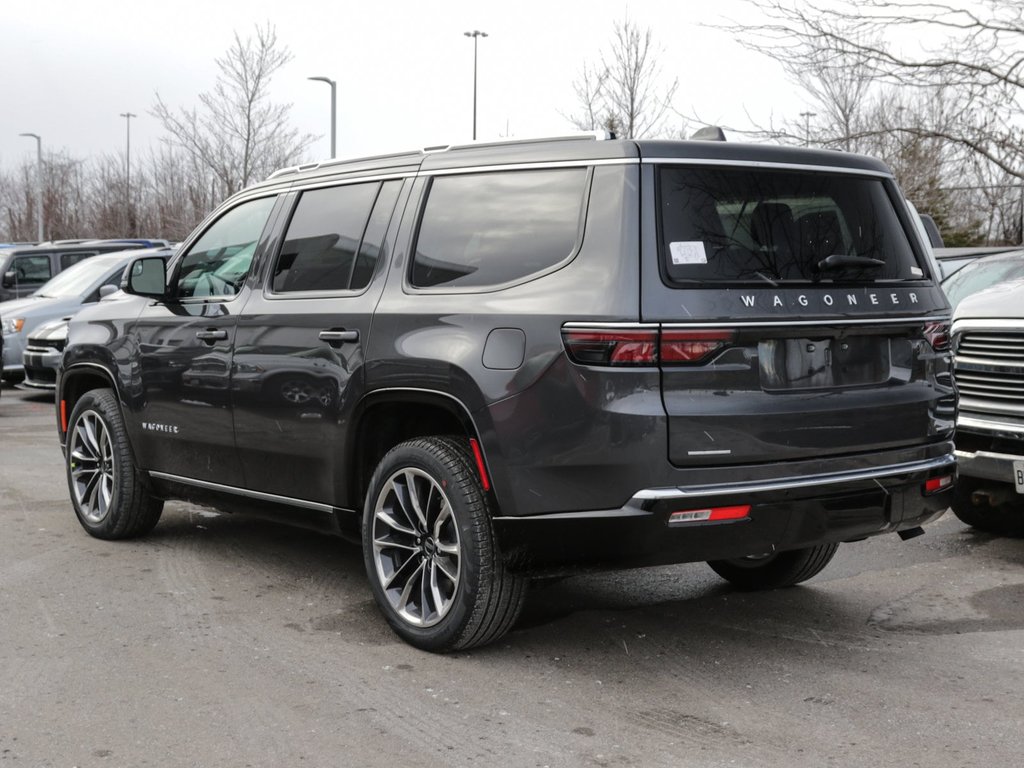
(779, 569)
(430, 551)
(110, 495)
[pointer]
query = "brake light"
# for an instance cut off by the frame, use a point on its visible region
(681, 346)
(612, 347)
(937, 335)
(709, 515)
(643, 346)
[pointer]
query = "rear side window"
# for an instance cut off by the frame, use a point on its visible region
(756, 225)
(67, 259)
(487, 229)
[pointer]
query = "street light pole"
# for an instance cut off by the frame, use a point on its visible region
(807, 126)
(39, 171)
(475, 34)
(128, 170)
(334, 110)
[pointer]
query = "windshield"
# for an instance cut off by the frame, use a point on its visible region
(981, 274)
(76, 279)
(756, 225)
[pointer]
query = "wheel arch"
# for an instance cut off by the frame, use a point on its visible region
(74, 382)
(386, 418)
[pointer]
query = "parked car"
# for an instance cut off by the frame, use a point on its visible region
(988, 344)
(81, 284)
(24, 269)
(981, 272)
(952, 260)
(503, 360)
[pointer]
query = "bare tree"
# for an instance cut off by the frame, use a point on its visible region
(237, 134)
(974, 51)
(625, 93)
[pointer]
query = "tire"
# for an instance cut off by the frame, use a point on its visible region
(430, 550)
(110, 495)
(1004, 519)
(780, 569)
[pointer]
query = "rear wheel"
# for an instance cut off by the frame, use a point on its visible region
(110, 495)
(430, 551)
(779, 569)
(998, 513)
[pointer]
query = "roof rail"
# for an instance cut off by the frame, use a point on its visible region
(576, 136)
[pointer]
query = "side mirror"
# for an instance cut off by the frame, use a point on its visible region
(146, 277)
(10, 279)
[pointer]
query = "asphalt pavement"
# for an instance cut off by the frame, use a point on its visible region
(225, 641)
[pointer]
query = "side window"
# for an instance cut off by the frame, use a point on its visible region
(486, 229)
(67, 259)
(218, 263)
(32, 270)
(320, 249)
(373, 240)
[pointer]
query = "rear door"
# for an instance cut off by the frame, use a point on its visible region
(797, 319)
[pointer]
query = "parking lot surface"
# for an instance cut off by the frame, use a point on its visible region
(225, 641)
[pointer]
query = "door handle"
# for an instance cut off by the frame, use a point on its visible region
(337, 337)
(211, 335)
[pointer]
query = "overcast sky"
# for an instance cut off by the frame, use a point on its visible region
(404, 69)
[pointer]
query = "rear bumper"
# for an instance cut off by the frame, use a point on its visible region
(785, 513)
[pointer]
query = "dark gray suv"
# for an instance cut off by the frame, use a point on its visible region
(494, 361)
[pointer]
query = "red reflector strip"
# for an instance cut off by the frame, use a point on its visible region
(64, 416)
(935, 484)
(480, 468)
(709, 515)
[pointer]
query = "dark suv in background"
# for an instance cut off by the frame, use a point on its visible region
(502, 360)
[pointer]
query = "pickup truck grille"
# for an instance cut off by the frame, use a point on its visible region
(989, 373)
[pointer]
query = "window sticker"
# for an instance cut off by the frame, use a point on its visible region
(691, 252)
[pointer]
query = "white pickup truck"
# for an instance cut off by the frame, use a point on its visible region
(988, 349)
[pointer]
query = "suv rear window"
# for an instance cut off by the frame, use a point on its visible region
(487, 229)
(756, 225)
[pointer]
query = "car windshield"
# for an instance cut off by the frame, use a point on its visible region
(740, 224)
(76, 279)
(981, 274)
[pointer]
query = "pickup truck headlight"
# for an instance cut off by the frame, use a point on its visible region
(13, 325)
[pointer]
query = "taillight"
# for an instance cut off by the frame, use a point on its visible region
(679, 346)
(646, 346)
(612, 347)
(937, 335)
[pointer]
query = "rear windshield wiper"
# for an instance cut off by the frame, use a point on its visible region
(840, 260)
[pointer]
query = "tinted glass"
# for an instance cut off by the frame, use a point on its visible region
(31, 269)
(319, 250)
(373, 240)
(218, 263)
(492, 228)
(67, 259)
(723, 224)
(981, 274)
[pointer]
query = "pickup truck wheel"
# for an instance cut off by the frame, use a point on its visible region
(110, 495)
(430, 551)
(1004, 517)
(779, 569)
